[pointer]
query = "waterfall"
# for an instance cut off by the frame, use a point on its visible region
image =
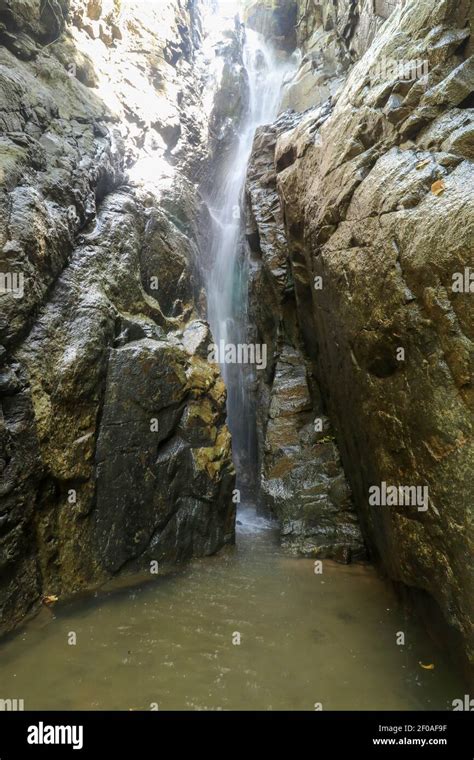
(227, 279)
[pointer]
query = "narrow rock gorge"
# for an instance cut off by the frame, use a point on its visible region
(291, 176)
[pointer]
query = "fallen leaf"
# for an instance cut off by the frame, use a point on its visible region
(427, 667)
(438, 187)
(424, 163)
(50, 599)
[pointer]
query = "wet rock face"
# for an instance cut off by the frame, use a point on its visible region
(275, 19)
(331, 37)
(375, 188)
(114, 448)
(163, 457)
(231, 100)
(302, 482)
(353, 23)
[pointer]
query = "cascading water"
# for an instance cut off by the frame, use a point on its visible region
(227, 280)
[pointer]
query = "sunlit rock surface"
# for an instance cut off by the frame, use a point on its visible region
(275, 19)
(114, 447)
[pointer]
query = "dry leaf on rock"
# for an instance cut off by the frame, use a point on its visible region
(424, 163)
(438, 187)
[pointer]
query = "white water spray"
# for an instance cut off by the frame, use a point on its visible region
(227, 280)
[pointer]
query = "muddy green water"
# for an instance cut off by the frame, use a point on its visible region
(305, 638)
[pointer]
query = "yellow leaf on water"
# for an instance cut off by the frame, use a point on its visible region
(438, 187)
(424, 163)
(427, 667)
(50, 599)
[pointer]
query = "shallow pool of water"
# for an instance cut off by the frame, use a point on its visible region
(304, 639)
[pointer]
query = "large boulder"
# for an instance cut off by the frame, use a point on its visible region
(164, 470)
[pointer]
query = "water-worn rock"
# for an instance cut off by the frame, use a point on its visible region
(114, 448)
(274, 19)
(164, 475)
(376, 196)
(302, 482)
